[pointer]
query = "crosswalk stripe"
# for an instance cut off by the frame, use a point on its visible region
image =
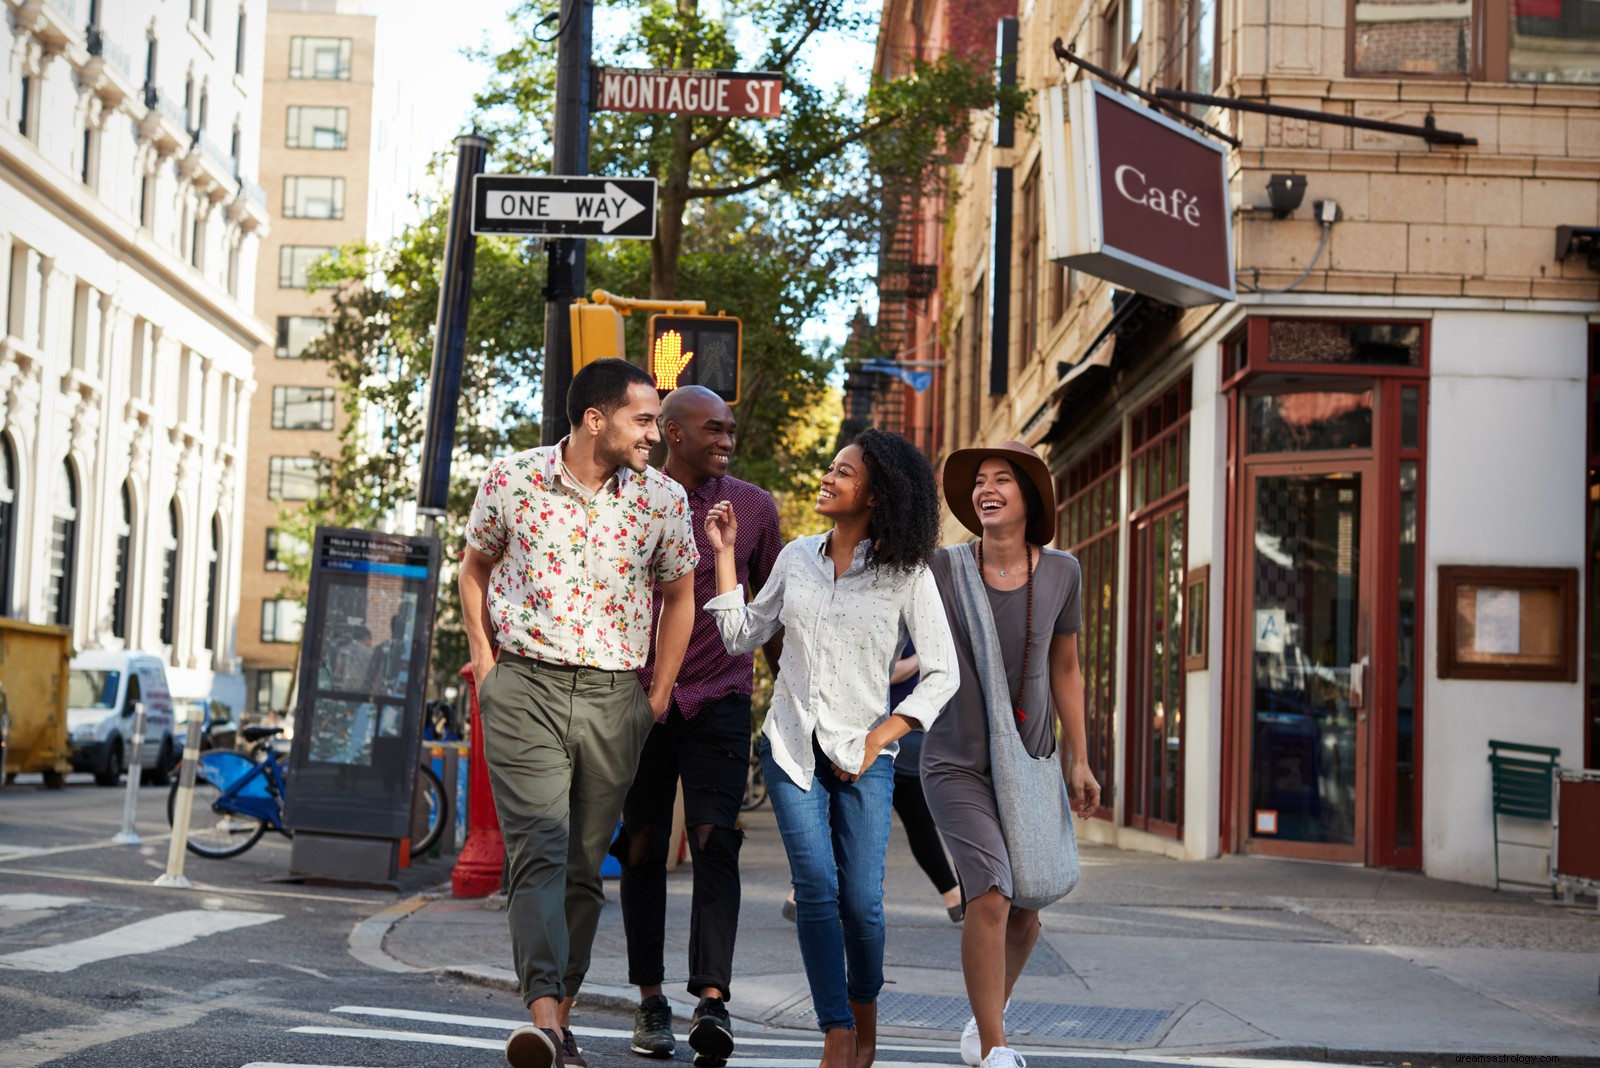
(508, 1025)
(140, 937)
(34, 902)
(499, 1043)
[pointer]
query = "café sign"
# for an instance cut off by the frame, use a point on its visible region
(726, 93)
(1134, 197)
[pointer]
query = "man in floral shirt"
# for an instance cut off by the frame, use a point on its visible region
(564, 548)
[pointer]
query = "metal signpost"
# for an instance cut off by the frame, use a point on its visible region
(358, 719)
(564, 207)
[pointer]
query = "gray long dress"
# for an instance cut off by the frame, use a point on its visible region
(955, 751)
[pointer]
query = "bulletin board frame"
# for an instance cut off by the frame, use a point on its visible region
(1516, 624)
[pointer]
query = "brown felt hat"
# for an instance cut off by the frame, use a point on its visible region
(961, 472)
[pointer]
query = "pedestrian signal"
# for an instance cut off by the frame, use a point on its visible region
(596, 334)
(697, 350)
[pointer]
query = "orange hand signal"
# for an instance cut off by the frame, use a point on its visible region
(670, 359)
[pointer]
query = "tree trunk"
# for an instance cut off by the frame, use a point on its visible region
(674, 194)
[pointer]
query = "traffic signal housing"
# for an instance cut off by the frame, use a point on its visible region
(697, 350)
(596, 334)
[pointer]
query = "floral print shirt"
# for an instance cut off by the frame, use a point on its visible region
(573, 583)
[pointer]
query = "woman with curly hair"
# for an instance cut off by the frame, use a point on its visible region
(845, 601)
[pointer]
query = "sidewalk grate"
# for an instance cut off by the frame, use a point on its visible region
(1084, 1023)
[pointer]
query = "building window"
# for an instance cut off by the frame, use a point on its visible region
(91, 143)
(169, 577)
(977, 303)
(313, 198)
(294, 478)
(147, 201)
(1189, 46)
(1089, 521)
(238, 44)
(323, 128)
(122, 593)
(283, 549)
(294, 264)
(1157, 566)
(282, 620)
(213, 578)
(8, 520)
(295, 332)
(1555, 41)
(1028, 252)
(25, 107)
(62, 565)
(188, 102)
(1432, 37)
(1120, 28)
(197, 242)
(272, 690)
(302, 407)
(321, 58)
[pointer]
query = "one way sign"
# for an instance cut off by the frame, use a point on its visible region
(564, 207)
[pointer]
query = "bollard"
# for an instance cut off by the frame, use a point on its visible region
(449, 764)
(182, 804)
(479, 869)
(134, 749)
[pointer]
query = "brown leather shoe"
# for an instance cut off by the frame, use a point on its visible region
(534, 1047)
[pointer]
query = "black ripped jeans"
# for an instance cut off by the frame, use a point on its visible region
(711, 751)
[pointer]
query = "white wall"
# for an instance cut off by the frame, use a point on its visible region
(1506, 486)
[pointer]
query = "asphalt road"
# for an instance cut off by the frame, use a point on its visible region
(98, 967)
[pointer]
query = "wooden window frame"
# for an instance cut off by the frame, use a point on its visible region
(1028, 260)
(1563, 581)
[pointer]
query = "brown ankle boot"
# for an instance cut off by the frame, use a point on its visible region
(866, 1014)
(838, 1048)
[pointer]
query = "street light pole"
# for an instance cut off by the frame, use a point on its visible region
(450, 336)
(567, 256)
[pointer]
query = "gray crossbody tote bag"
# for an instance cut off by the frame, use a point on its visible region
(1035, 813)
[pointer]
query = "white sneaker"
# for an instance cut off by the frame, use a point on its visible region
(971, 1051)
(971, 1048)
(1004, 1057)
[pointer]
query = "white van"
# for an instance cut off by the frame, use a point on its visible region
(102, 688)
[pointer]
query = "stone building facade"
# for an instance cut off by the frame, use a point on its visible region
(130, 225)
(1271, 496)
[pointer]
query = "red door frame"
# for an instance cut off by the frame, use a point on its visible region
(1246, 358)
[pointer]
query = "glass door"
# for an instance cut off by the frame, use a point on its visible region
(1305, 660)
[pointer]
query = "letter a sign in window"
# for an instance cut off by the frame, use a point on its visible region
(697, 350)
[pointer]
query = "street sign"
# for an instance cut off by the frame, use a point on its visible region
(738, 94)
(697, 350)
(564, 207)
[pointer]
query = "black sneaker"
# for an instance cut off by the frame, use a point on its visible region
(571, 1056)
(652, 1028)
(711, 1034)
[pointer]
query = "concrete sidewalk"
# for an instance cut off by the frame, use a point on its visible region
(1154, 955)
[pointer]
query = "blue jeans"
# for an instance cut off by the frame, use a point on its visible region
(837, 837)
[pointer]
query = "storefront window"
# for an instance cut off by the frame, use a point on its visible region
(1310, 421)
(1158, 563)
(1408, 665)
(1325, 341)
(1088, 529)
(1555, 41)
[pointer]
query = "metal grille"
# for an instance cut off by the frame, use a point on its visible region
(1077, 1023)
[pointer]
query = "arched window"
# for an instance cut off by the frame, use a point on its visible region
(63, 547)
(8, 521)
(122, 595)
(213, 575)
(169, 577)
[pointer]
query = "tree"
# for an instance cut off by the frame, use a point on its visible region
(811, 161)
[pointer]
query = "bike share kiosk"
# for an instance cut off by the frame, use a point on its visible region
(358, 715)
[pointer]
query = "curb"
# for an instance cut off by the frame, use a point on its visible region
(366, 937)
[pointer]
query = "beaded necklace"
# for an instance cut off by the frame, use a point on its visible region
(1027, 641)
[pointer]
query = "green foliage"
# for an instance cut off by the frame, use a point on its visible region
(769, 220)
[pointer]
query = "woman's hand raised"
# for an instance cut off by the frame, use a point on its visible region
(722, 529)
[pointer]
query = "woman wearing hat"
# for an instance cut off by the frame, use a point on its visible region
(1003, 495)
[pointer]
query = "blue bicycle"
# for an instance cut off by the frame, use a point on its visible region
(237, 798)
